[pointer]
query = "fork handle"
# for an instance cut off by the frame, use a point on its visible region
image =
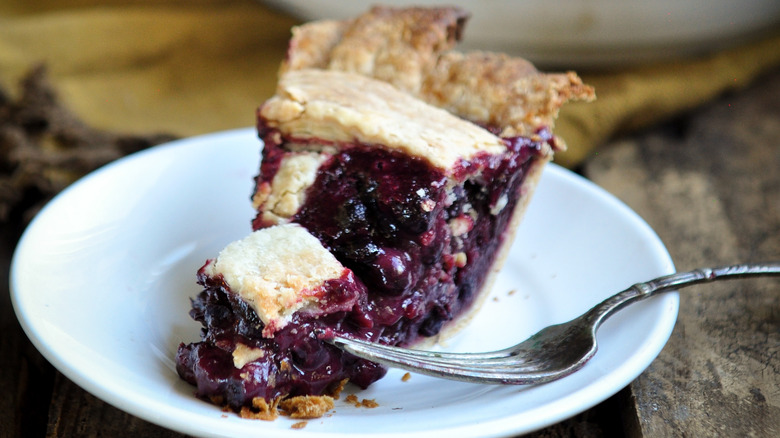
(644, 290)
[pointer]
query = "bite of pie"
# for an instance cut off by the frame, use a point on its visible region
(394, 174)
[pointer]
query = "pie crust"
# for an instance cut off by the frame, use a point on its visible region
(394, 174)
(410, 48)
(317, 114)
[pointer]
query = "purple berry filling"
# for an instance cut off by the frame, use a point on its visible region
(421, 243)
(295, 361)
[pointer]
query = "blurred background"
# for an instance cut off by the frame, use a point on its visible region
(187, 67)
(588, 34)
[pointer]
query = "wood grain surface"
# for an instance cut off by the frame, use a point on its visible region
(708, 182)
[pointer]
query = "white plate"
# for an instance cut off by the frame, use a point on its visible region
(101, 282)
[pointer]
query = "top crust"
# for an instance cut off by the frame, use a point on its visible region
(380, 43)
(410, 49)
(333, 106)
(494, 89)
(277, 271)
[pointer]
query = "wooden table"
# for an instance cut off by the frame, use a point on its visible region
(708, 182)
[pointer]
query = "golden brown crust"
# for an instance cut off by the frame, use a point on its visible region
(302, 407)
(281, 198)
(310, 46)
(364, 403)
(410, 48)
(380, 43)
(386, 41)
(497, 90)
(336, 390)
(261, 410)
(342, 107)
(307, 406)
(244, 354)
(277, 271)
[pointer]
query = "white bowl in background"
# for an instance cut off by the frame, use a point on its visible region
(587, 33)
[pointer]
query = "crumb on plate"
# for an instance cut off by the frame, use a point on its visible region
(307, 406)
(365, 403)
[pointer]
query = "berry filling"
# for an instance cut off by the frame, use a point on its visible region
(420, 242)
(234, 363)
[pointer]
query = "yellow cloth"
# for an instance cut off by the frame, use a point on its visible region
(633, 98)
(187, 67)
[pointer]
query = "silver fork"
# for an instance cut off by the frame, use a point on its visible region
(552, 353)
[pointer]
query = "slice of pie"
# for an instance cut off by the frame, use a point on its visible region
(386, 203)
(264, 297)
(420, 204)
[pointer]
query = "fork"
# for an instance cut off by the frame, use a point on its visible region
(550, 354)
